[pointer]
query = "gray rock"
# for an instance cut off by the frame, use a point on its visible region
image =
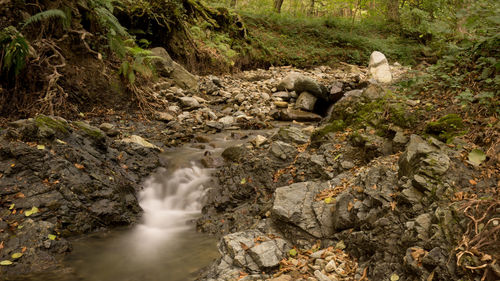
(292, 135)
(296, 115)
(294, 204)
(242, 250)
(167, 67)
(423, 164)
(227, 121)
(321, 276)
(288, 83)
(283, 150)
(336, 92)
(307, 84)
(306, 101)
(189, 102)
(235, 153)
(282, 95)
(343, 218)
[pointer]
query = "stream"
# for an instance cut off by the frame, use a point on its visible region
(164, 245)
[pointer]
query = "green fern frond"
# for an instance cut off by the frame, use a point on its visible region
(54, 13)
(109, 21)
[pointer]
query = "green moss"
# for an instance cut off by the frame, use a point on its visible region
(48, 126)
(89, 130)
(446, 128)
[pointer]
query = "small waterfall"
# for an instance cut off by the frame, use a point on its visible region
(169, 200)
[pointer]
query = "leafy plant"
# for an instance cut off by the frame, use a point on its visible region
(53, 13)
(14, 49)
(136, 61)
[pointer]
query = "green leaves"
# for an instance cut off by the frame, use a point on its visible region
(476, 157)
(292, 253)
(54, 13)
(33, 210)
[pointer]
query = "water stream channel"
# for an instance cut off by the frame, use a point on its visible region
(165, 245)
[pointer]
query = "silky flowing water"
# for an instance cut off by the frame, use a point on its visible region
(165, 245)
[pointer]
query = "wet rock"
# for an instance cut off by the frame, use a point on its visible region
(379, 67)
(292, 135)
(306, 101)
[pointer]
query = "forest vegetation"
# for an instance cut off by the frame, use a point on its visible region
(87, 58)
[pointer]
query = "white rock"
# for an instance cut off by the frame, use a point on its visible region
(259, 140)
(228, 120)
(379, 68)
(140, 141)
(331, 266)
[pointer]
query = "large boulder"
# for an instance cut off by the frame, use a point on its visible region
(293, 135)
(167, 67)
(379, 68)
(300, 83)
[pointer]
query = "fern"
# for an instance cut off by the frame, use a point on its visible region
(54, 13)
(14, 49)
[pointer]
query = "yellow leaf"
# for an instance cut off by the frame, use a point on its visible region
(243, 181)
(16, 255)
(33, 210)
(394, 277)
(40, 147)
(5, 262)
(328, 200)
(51, 237)
(12, 206)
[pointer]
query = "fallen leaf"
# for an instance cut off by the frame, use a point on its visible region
(23, 249)
(292, 252)
(243, 181)
(40, 147)
(19, 195)
(51, 237)
(476, 157)
(33, 210)
(340, 245)
(5, 262)
(328, 200)
(12, 206)
(473, 182)
(394, 277)
(79, 166)
(350, 205)
(16, 255)
(393, 205)
(1, 245)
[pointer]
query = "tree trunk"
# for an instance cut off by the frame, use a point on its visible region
(311, 8)
(392, 10)
(277, 5)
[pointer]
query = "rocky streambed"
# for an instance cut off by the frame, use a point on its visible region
(335, 180)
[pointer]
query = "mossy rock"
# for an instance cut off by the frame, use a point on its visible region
(446, 128)
(50, 126)
(90, 131)
(318, 135)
